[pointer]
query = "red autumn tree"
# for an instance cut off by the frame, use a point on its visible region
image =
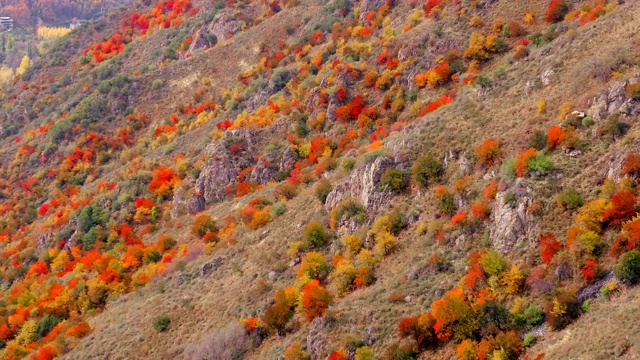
(556, 11)
(338, 355)
(549, 246)
(623, 208)
(315, 299)
(420, 328)
(631, 164)
(589, 270)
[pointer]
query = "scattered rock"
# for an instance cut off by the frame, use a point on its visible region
(206, 268)
(563, 271)
(414, 273)
(295, 261)
(272, 275)
(370, 336)
(180, 279)
(490, 175)
(288, 160)
(546, 76)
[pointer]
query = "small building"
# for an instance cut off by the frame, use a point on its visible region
(6, 23)
(75, 23)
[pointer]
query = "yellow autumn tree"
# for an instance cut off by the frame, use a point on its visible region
(24, 65)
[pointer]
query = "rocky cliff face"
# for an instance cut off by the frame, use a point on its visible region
(227, 157)
(512, 225)
(362, 187)
(614, 101)
(186, 200)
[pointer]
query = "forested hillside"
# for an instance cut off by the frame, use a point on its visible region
(345, 179)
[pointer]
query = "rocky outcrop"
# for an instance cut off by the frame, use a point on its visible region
(277, 82)
(186, 200)
(614, 101)
(288, 160)
(263, 171)
(592, 290)
(210, 266)
(317, 344)
(45, 241)
(370, 5)
(512, 225)
(363, 187)
(613, 167)
(220, 28)
(227, 157)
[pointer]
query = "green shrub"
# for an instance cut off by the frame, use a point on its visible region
(541, 163)
(161, 323)
(628, 267)
(570, 199)
(446, 204)
(529, 340)
(372, 155)
(587, 121)
(364, 353)
(493, 263)
(314, 235)
(426, 169)
(157, 84)
(614, 127)
(322, 190)
(279, 208)
(508, 169)
(47, 324)
(537, 141)
(392, 179)
(348, 164)
(530, 317)
(398, 222)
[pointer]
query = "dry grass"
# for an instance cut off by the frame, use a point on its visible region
(609, 330)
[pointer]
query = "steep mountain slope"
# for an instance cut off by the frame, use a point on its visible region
(337, 179)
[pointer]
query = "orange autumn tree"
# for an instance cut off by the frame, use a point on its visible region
(163, 182)
(454, 317)
(278, 315)
(522, 162)
(488, 153)
(315, 299)
(420, 328)
(555, 137)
